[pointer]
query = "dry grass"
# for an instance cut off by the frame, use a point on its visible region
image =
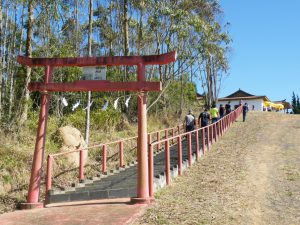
(16, 150)
(251, 176)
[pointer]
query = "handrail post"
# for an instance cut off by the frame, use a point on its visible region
(179, 155)
(121, 148)
(203, 140)
(81, 166)
(220, 128)
(49, 173)
(151, 169)
(227, 122)
(166, 133)
(158, 139)
(178, 131)
(104, 148)
(208, 138)
(197, 145)
(216, 131)
(173, 132)
(212, 133)
(167, 156)
(190, 149)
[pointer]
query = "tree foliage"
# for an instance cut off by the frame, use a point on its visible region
(295, 103)
(61, 29)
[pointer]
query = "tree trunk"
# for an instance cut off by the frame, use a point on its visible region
(22, 29)
(1, 65)
(4, 58)
(209, 82)
(76, 27)
(88, 110)
(215, 83)
(12, 68)
(24, 112)
(126, 35)
(140, 28)
(181, 88)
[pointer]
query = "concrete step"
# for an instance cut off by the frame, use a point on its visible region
(120, 183)
(92, 195)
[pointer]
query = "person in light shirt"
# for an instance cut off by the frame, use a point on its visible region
(214, 113)
(190, 121)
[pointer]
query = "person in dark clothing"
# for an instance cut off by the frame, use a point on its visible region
(221, 111)
(204, 118)
(245, 110)
(227, 108)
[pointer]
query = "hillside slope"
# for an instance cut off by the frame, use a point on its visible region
(251, 176)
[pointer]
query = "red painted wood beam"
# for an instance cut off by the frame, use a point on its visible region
(97, 61)
(96, 85)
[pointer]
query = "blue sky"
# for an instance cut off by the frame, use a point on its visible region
(265, 58)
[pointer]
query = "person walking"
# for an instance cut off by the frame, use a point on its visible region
(221, 111)
(214, 112)
(190, 121)
(245, 110)
(204, 118)
(228, 108)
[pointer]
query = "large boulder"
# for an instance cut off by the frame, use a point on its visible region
(72, 139)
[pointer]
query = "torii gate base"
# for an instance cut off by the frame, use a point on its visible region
(140, 86)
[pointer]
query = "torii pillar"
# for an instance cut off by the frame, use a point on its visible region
(141, 86)
(142, 179)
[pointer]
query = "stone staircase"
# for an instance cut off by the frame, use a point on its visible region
(122, 183)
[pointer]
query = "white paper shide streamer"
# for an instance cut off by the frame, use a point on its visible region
(127, 101)
(75, 106)
(116, 103)
(64, 101)
(105, 106)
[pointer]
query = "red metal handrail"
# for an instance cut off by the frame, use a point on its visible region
(225, 122)
(217, 129)
(51, 157)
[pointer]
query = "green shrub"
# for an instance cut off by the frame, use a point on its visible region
(105, 120)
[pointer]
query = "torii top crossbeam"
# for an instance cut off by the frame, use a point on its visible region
(98, 85)
(95, 61)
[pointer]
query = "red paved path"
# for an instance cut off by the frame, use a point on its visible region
(116, 212)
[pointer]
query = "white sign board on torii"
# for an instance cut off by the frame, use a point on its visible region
(94, 73)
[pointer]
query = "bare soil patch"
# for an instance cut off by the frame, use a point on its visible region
(251, 176)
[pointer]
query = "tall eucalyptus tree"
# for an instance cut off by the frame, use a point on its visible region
(28, 52)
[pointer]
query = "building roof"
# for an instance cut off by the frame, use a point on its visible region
(242, 95)
(239, 93)
(199, 96)
(286, 104)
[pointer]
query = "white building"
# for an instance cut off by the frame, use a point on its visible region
(254, 102)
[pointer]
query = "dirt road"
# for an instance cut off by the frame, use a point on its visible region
(251, 176)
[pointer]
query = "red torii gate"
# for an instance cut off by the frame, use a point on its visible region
(141, 86)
